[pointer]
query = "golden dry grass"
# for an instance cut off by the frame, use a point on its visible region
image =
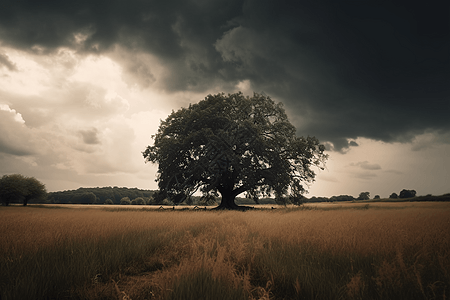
(315, 252)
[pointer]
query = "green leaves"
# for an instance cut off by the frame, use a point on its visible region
(233, 144)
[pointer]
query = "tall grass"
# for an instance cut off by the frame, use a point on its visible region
(45, 253)
(274, 254)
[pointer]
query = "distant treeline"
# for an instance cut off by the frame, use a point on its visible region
(445, 197)
(98, 195)
(123, 195)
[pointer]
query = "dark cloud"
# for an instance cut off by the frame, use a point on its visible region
(366, 165)
(180, 33)
(90, 136)
(6, 62)
(349, 70)
(364, 175)
(394, 172)
(370, 69)
(9, 148)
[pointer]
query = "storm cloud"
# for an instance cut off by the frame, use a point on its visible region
(90, 137)
(366, 165)
(6, 62)
(344, 70)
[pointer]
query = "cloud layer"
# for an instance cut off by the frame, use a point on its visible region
(344, 70)
(85, 83)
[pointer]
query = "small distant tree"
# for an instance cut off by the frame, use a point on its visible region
(151, 201)
(393, 196)
(364, 196)
(376, 197)
(138, 201)
(97, 200)
(109, 201)
(84, 198)
(167, 202)
(125, 201)
(315, 199)
(342, 198)
(407, 193)
(18, 188)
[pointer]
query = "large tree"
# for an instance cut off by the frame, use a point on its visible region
(230, 144)
(35, 190)
(18, 188)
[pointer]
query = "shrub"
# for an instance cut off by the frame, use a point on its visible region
(342, 198)
(125, 201)
(407, 193)
(167, 202)
(364, 196)
(138, 201)
(109, 201)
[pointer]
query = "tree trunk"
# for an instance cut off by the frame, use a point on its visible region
(228, 203)
(229, 194)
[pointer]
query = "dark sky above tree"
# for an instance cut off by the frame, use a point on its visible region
(378, 70)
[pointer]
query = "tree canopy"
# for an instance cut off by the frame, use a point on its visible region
(407, 193)
(230, 144)
(393, 196)
(18, 188)
(364, 196)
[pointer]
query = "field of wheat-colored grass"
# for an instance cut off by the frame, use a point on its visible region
(313, 252)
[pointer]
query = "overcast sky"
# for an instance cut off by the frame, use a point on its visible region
(84, 84)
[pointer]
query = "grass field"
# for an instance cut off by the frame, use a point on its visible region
(329, 251)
